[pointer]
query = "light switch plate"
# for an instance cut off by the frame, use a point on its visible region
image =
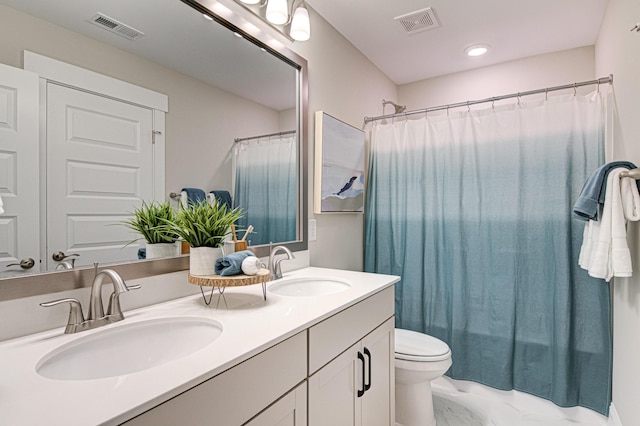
(313, 230)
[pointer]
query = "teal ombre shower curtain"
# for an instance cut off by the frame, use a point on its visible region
(265, 187)
(473, 210)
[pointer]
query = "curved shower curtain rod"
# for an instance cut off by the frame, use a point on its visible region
(270, 135)
(599, 81)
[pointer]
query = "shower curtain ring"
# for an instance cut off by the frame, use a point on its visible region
(519, 100)
(468, 107)
(575, 89)
(598, 87)
(546, 94)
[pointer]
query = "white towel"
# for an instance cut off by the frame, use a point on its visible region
(1, 208)
(591, 228)
(604, 252)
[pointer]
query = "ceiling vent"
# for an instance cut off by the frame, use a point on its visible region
(110, 24)
(420, 20)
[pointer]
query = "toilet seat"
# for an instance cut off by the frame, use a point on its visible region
(420, 347)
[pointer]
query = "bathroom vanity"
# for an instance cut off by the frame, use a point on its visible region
(316, 356)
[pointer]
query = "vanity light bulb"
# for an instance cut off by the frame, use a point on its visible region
(300, 26)
(277, 12)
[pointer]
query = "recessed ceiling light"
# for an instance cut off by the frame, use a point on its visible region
(477, 50)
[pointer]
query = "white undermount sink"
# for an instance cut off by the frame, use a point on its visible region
(308, 286)
(129, 348)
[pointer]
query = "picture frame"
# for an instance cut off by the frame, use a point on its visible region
(339, 175)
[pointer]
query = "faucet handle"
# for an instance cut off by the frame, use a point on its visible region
(114, 310)
(75, 313)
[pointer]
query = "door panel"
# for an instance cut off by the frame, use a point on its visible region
(100, 168)
(19, 173)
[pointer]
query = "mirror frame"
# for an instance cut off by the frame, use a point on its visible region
(234, 19)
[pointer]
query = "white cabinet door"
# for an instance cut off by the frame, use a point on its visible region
(357, 387)
(19, 173)
(290, 410)
(333, 391)
(99, 168)
(378, 404)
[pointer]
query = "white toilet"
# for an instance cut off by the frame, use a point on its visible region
(419, 358)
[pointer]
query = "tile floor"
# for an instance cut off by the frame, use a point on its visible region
(461, 403)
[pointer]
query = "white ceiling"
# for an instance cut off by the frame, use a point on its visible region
(514, 29)
(178, 37)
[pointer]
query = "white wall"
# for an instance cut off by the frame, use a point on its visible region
(345, 84)
(618, 53)
(553, 69)
(202, 120)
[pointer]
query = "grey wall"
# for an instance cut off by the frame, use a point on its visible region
(618, 53)
(346, 85)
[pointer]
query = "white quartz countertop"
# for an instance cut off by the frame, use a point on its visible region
(250, 325)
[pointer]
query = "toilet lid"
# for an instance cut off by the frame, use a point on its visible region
(414, 346)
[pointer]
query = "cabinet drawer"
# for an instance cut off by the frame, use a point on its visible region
(337, 333)
(238, 394)
(290, 410)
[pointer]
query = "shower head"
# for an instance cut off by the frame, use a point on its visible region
(398, 108)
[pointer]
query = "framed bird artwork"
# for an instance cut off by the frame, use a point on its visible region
(339, 166)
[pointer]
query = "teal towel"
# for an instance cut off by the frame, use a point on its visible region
(222, 197)
(232, 263)
(594, 191)
(195, 195)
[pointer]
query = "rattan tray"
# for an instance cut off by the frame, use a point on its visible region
(232, 281)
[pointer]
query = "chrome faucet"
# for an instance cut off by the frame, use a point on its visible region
(96, 316)
(96, 308)
(59, 256)
(65, 265)
(274, 264)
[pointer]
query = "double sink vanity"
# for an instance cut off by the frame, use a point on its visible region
(318, 351)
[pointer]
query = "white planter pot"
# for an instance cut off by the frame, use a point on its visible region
(202, 260)
(157, 250)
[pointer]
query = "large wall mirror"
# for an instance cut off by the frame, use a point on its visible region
(230, 87)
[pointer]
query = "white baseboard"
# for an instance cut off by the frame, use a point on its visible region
(614, 418)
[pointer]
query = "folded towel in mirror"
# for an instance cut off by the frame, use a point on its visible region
(251, 265)
(222, 197)
(193, 196)
(232, 263)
